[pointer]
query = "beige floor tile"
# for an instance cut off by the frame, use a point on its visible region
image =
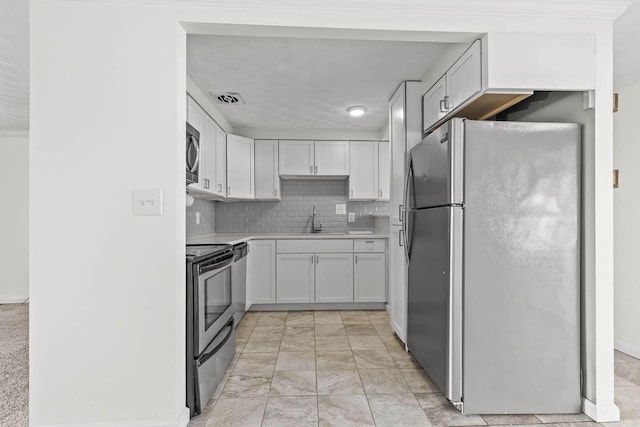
(249, 362)
(339, 382)
(360, 329)
(418, 381)
(303, 318)
(250, 318)
(333, 343)
(383, 328)
(243, 332)
(268, 331)
(624, 357)
(327, 317)
(335, 360)
(561, 418)
(499, 420)
(291, 412)
(442, 413)
(383, 381)
(621, 382)
(397, 410)
(379, 317)
(299, 331)
(628, 371)
(354, 317)
(628, 400)
(293, 383)
(247, 384)
(330, 330)
(365, 342)
(344, 411)
(237, 412)
(373, 359)
(392, 342)
(262, 345)
(403, 359)
(296, 361)
(298, 344)
(272, 318)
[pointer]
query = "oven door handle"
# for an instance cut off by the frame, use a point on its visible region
(216, 344)
(218, 265)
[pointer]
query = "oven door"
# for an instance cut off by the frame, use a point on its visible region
(213, 301)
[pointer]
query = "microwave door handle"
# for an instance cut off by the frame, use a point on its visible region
(207, 354)
(216, 266)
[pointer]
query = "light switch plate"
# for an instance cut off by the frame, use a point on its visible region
(147, 202)
(341, 209)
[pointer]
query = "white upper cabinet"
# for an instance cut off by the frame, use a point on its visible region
(267, 178)
(314, 158)
(363, 170)
(461, 82)
(296, 158)
(331, 158)
(219, 176)
(433, 103)
(240, 167)
(384, 170)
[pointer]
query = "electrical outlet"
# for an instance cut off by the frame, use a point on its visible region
(147, 202)
(341, 209)
(197, 218)
(352, 217)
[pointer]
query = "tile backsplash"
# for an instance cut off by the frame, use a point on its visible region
(207, 218)
(293, 213)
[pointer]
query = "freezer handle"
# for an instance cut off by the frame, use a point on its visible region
(400, 237)
(400, 212)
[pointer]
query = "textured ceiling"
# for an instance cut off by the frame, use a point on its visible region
(14, 67)
(306, 83)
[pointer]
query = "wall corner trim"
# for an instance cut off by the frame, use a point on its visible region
(600, 413)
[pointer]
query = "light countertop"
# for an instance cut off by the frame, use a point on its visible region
(239, 238)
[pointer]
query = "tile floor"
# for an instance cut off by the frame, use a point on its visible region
(346, 368)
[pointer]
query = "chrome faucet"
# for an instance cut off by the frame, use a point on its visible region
(316, 227)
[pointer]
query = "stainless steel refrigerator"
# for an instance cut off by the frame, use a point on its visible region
(492, 243)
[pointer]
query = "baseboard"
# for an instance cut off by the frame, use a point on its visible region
(318, 306)
(600, 413)
(181, 421)
(14, 300)
(631, 350)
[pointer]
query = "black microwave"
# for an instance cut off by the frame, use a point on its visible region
(193, 154)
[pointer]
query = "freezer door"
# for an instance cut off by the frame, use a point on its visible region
(521, 251)
(434, 304)
(435, 168)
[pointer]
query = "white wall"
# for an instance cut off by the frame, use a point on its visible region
(14, 217)
(626, 158)
(107, 116)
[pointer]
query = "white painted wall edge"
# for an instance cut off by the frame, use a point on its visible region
(630, 349)
(181, 421)
(600, 413)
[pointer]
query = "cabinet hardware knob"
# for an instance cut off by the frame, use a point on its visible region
(229, 190)
(310, 169)
(443, 109)
(356, 259)
(447, 106)
(220, 188)
(311, 259)
(317, 259)
(316, 170)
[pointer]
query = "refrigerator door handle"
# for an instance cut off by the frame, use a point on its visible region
(400, 237)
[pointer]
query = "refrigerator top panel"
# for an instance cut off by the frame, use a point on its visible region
(435, 168)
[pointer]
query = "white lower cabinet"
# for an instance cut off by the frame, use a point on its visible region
(261, 272)
(296, 278)
(369, 278)
(334, 278)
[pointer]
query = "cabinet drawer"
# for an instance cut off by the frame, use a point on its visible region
(371, 245)
(314, 246)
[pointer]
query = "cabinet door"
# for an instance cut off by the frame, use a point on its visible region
(332, 158)
(267, 178)
(296, 158)
(464, 78)
(334, 277)
(240, 164)
(295, 278)
(369, 278)
(384, 170)
(195, 117)
(208, 154)
(433, 103)
(261, 272)
(220, 173)
(363, 170)
(397, 285)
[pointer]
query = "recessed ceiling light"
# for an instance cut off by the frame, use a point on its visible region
(356, 110)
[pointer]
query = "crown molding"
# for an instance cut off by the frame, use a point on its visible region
(587, 10)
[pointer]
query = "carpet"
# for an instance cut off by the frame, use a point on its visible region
(14, 365)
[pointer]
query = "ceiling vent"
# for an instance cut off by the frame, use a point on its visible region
(227, 98)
